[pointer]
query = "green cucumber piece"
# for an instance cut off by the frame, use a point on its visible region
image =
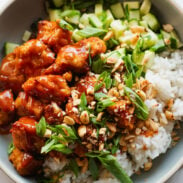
(9, 47)
(26, 36)
(174, 41)
(145, 7)
(152, 21)
(138, 57)
(73, 19)
(71, 16)
(160, 45)
(75, 36)
(84, 20)
(118, 28)
(98, 9)
(108, 19)
(175, 36)
(58, 3)
(165, 35)
(54, 14)
(133, 22)
(148, 59)
(131, 5)
(149, 40)
(134, 14)
(95, 21)
(144, 24)
(117, 10)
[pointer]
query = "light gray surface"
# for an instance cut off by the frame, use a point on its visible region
(3, 178)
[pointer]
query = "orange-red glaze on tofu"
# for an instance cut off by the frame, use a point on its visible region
(25, 137)
(28, 106)
(122, 111)
(53, 114)
(53, 35)
(7, 107)
(28, 60)
(24, 163)
(48, 88)
(86, 83)
(10, 76)
(75, 57)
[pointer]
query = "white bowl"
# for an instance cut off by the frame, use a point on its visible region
(17, 15)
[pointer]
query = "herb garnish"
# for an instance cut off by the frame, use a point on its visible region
(41, 127)
(141, 110)
(11, 147)
(111, 164)
(103, 80)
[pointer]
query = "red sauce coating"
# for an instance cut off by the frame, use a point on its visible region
(25, 137)
(53, 35)
(75, 57)
(48, 88)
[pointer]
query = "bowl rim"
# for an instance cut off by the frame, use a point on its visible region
(163, 179)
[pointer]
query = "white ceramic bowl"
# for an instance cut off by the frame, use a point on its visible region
(17, 15)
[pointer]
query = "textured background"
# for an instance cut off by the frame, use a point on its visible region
(177, 178)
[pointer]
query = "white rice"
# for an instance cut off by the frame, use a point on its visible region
(166, 74)
(154, 146)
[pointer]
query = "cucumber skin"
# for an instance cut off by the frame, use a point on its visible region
(9, 47)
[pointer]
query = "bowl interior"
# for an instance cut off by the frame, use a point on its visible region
(18, 17)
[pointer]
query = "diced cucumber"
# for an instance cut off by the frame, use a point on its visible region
(152, 21)
(174, 41)
(98, 9)
(160, 45)
(138, 57)
(175, 36)
(149, 40)
(134, 14)
(54, 14)
(58, 3)
(73, 19)
(148, 59)
(138, 54)
(143, 23)
(26, 36)
(145, 7)
(133, 22)
(109, 18)
(132, 5)
(165, 35)
(75, 36)
(9, 47)
(117, 10)
(95, 21)
(85, 20)
(118, 28)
